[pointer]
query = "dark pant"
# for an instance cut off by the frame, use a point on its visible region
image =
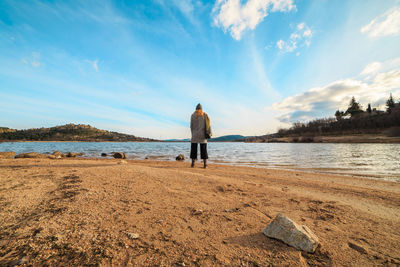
(203, 151)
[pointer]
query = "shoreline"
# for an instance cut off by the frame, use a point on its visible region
(56, 141)
(329, 139)
(260, 165)
(78, 211)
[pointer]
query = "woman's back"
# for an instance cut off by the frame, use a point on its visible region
(199, 123)
(198, 128)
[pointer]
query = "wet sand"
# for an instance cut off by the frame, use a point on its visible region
(144, 213)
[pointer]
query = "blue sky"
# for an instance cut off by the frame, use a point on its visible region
(141, 67)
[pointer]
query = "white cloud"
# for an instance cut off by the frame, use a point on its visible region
(300, 26)
(384, 25)
(372, 68)
(280, 44)
(235, 17)
(307, 33)
(294, 36)
(323, 101)
(300, 37)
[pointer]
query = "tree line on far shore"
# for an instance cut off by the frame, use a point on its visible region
(354, 120)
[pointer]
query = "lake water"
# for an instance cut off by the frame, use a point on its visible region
(373, 160)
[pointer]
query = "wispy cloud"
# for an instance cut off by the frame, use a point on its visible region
(33, 60)
(259, 75)
(323, 101)
(93, 63)
(185, 6)
(235, 17)
(384, 25)
(190, 9)
(300, 37)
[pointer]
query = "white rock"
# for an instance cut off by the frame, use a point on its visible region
(197, 212)
(286, 230)
(132, 235)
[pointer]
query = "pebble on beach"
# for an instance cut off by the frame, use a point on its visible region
(197, 212)
(180, 157)
(119, 155)
(57, 154)
(133, 235)
(31, 155)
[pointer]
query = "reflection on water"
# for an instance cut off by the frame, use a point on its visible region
(376, 160)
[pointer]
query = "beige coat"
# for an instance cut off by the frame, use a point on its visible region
(198, 128)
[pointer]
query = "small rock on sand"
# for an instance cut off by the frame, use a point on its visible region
(104, 154)
(232, 210)
(58, 154)
(221, 188)
(119, 155)
(180, 157)
(133, 235)
(31, 155)
(123, 162)
(73, 155)
(197, 212)
(7, 155)
(286, 230)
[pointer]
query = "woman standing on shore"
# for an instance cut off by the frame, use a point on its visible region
(201, 131)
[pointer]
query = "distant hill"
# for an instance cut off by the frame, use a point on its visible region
(227, 138)
(68, 132)
(6, 130)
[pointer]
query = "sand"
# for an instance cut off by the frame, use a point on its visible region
(143, 213)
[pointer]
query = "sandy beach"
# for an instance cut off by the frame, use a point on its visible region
(145, 213)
